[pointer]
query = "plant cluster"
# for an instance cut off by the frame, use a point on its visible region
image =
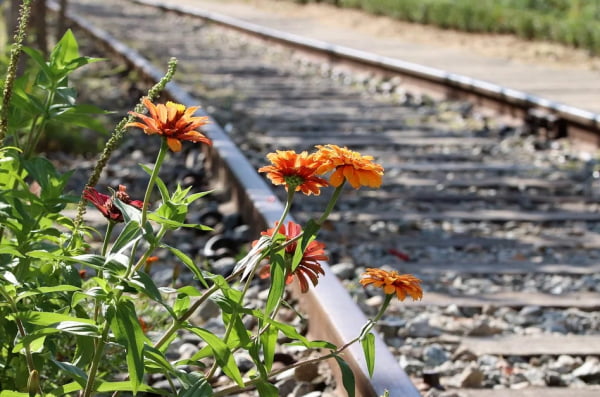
(69, 316)
(564, 21)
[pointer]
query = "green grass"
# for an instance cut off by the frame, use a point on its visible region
(572, 22)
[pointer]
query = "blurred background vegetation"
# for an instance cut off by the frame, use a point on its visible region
(571, 22)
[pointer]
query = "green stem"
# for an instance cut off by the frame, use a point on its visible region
(176, 324)
(159, 160)
(22, 332)
(332, 202)
(89, 386)
(229, 329)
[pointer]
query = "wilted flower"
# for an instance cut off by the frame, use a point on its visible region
(297, 171)
(105, 204)
(309, 267)
(346, 164)
(173, 121)
(393, 282)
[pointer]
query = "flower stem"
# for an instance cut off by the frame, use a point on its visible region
(89, 386)
(331, 204)
(159, 160)
(177, 321)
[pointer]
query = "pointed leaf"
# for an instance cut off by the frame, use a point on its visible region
(368, 345)
(128, 332)
(76, 373)
(189, 263)
(268, 340)
(222, 354)
(347, 376)
(277, 283)
(199, 389)
(129, 235)
(266, 389)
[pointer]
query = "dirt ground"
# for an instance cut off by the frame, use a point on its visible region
(489, 45)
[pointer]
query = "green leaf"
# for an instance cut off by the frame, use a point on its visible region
(130, 213)
(156, 357)
(66, 389)
(38, 58)
(47, 290)
(128, 332)
(266, 389)
(12, 393)
(65, 58)
(222, 354)
(201, 388)
(181, 305)
(368, 345)
(49, 318)
(188, 262)
(171, 224)
(268, 340)
(77, 328)
(129, 235)
(189, 291)
(347, 376)
(146, 285)
(10, 250)
(76, 373)
(277, 283)
(309, 234)
(36, 345)
(94, 261)
(82, 116)
(129, 386)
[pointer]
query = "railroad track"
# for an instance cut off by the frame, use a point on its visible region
(502, 226)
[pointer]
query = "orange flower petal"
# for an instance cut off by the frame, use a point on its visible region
(174, 144)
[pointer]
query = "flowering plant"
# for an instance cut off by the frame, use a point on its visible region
(60, 329)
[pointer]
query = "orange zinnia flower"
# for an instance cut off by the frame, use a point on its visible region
(392, 282)
(295, 171)
(309, 267)
(359, 170)
(173, 121)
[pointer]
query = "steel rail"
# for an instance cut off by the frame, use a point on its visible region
(556, 119)
(333, 314)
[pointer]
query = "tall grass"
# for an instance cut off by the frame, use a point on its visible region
(571, 22)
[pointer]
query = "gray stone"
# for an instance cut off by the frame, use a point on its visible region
(224, 266)
(302, 389)
(434, 355)
(244, 362)
(286, 386)
(471, 377)
(589, 370)
(564, 364)
(187, 350)
(420, 327)
(482, 327)
(207, 310)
